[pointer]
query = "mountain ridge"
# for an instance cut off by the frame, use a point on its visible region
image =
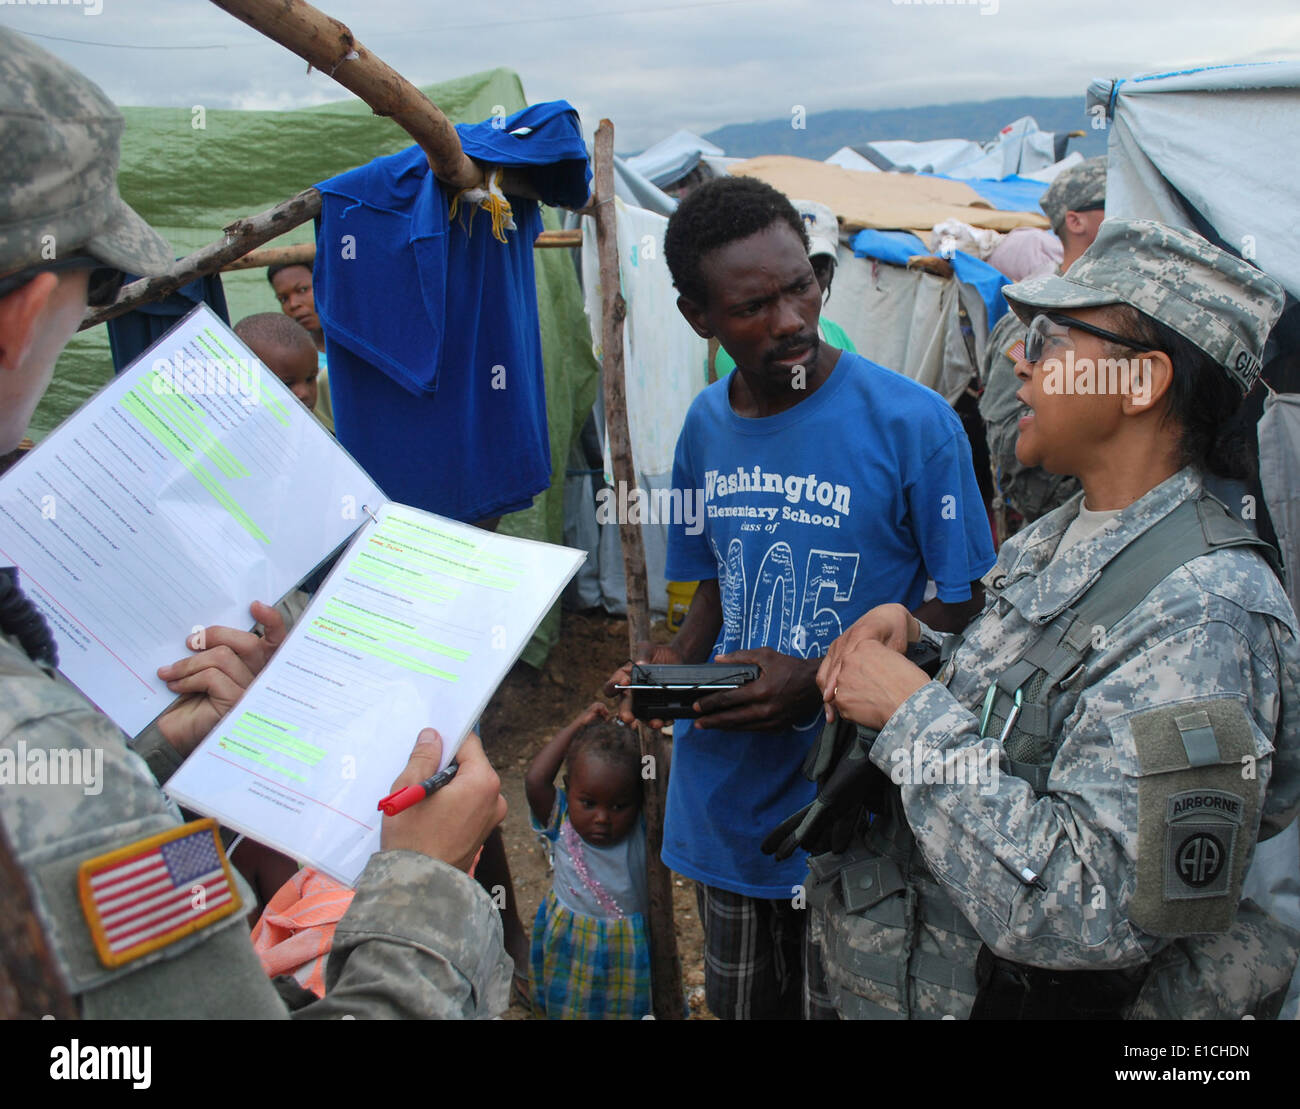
(825, 132)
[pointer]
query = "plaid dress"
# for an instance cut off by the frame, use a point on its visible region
(592, 965)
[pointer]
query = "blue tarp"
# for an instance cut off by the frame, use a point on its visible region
(1008, 194)
(894, 247)
(986, 280)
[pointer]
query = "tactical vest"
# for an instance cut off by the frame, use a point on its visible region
(893, 944)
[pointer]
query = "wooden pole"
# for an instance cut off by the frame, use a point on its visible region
(30, 984)
(557, 239)
(329, 46)
(300, 254)
(239, 238)
(304, 254)
(665, 967)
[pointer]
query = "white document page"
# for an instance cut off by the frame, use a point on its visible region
(189, 486)
(414, 628)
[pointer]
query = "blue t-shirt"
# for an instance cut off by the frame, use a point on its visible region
(431, 324)
(811, 517)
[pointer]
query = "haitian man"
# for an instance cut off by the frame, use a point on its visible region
(830, 484)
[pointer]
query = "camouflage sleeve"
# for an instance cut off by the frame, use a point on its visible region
(985, 835)
(160, 756)
(1282, 803)
(420, 940)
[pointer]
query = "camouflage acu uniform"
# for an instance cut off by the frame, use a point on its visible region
(1092, 873)
(420, 939)
(1220, 628)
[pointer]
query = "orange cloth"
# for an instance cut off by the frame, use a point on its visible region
(295, 933)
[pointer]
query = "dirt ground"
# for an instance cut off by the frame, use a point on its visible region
(528, 708)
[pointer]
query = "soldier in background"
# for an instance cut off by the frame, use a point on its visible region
(1072, 804)
(1075, 204)
(421, 939)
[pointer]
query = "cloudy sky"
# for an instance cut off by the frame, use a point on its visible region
(656, 65)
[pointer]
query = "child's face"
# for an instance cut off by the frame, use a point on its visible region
(603, 801)
(297, 368)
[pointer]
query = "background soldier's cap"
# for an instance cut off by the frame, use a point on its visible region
(1081, 188)
(822, 227)
(58, 176)
(1213, 299)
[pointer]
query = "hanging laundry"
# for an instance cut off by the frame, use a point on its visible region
(131, 334)
(430, 321)
(664, 362)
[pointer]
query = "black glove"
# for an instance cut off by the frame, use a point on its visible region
(846, 778)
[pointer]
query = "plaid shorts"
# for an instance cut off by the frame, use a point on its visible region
(759, 959)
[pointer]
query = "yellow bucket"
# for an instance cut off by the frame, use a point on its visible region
(680, 594)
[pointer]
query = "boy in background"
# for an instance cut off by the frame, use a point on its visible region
(286, 349)
(295, 293)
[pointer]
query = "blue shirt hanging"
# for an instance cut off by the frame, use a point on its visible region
(431, 324)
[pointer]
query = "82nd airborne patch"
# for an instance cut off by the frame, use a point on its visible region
(1200, 838)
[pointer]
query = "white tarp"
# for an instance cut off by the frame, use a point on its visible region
(1019, 148)
(909, 321)
(1224, 140)
(672, 158)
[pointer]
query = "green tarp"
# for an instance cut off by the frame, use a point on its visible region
(192, 171)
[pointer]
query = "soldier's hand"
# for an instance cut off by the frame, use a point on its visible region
(645, 652)
(873, 682)
(214, 678)
(891, 625)
(452, 824)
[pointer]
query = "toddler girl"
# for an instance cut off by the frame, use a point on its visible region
(591, 952)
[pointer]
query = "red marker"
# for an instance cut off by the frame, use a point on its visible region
(407, 796)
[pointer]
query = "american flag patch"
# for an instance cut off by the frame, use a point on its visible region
(151, 893)
(1017, 351)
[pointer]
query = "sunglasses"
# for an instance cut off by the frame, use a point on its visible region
(1054, 328)
(105, 282)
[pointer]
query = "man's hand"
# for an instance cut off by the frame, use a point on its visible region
(891, 625)
(784, 695)
(452, 824)
(645, 652)
(214, 679)
(872, 682)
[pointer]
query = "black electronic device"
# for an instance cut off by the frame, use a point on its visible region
(667, 691)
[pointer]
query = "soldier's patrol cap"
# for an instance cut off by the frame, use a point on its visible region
(1081, 188)
(1213, 299)
(58, 175)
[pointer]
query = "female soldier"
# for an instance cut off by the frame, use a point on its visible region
(1083, 785)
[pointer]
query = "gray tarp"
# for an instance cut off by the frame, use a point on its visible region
(1219, 144)
(1224, 139)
